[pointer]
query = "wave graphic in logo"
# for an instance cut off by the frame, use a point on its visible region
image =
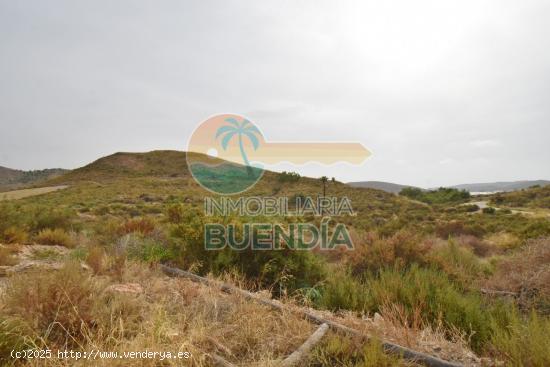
(234, 152)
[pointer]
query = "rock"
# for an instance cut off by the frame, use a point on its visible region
(128, 288)
(33, 265)
(378, 319)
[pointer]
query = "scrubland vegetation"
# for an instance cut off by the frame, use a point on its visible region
(442, 195)
(535, 197)
(422, 267)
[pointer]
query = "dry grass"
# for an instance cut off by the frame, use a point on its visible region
(144, 226)
(376, 252)
(57, 305)
(54, 237)
(71, 308)
(527, 272)
(15, 235)
(96, 259)
(503, 240)
(395, 325)
(7, 255)
(479, 247)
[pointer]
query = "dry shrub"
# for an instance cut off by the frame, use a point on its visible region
(236, 328)
(120, 316)
(528, 273)
(408, 329)
(479, 247)
(144, 226)
(54, 237)
(7, 255)
(117, 265)
(175, 213)
(170, 315)
(401, 249)
(95, 259)
(15, 235)
(57, 305)
(455, 228)
(176, 314)
(503, 240)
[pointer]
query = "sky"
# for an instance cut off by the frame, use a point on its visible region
(441, 92)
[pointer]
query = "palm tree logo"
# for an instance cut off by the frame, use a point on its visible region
(243, 129)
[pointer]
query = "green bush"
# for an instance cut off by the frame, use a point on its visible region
(489, 210)
(458, 263)
(342, 291)
(43, 218)
(535, 228)
(10, 217)
(469, 208)
(281, 270)
(149, 250)
(338, 351)
(442, 195)
(423, 292)
(288, 177)
(430, 294)
(522, 342)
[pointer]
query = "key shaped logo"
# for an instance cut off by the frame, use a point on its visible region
(232, 153)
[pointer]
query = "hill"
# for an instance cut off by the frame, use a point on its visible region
(11, 179)
(380, 185)
(159, 163)
(500, 186)
(533, 197)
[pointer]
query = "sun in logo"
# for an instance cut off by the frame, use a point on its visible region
(221, 152)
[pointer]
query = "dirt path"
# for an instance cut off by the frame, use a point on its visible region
(20, 194)
(485, 204)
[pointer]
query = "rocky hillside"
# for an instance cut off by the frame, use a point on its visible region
(11, 179)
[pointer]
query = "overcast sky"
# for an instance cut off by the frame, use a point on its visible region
(442, 92)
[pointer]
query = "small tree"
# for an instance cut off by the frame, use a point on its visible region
(324, 180)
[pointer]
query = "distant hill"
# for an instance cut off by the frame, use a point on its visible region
(534, 197)
(11, 179)
(380, 185)
(158, 163)
(500, 186)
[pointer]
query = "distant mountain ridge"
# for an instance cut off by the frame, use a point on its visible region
(11, 179)
(501, 186)
(381, 185)
(168, 163)
(473, 187)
